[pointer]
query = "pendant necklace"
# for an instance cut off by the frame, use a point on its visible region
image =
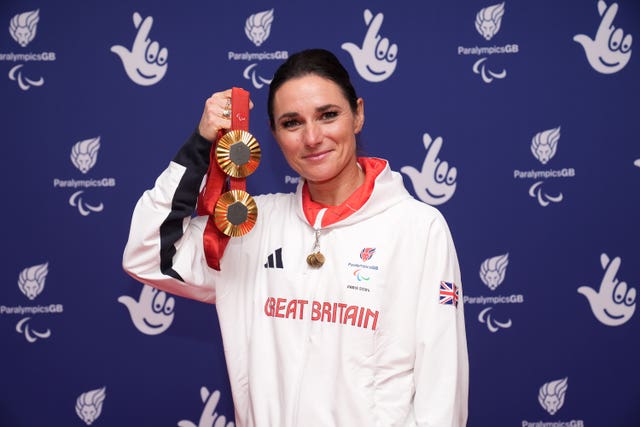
(316, 259)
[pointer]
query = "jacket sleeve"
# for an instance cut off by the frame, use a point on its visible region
(441, 368)
(165, 248)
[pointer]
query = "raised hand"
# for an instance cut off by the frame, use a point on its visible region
(610, 50)
(377, 58)
(436, 182)
(146, 62)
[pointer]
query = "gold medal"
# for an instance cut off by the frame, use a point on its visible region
(315, 260)
(235, 213)
(238, 153)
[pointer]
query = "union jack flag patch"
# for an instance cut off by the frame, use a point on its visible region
(449, 293)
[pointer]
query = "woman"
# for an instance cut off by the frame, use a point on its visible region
(372, 336)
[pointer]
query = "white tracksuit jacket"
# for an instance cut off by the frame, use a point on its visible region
(357, 342)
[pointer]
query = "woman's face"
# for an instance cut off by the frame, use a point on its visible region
(316, 128)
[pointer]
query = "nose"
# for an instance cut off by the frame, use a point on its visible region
(312, 135)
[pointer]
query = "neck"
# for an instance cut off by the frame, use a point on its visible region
(338, 189)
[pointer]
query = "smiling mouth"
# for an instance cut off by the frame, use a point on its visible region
(435, 196)
(612, 316)
(374, 72)
(608, 64)
(146, 76)
(316, 156)
(150, 325)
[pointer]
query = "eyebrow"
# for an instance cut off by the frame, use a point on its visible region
(320, 109)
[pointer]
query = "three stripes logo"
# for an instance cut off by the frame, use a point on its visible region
(274, 260)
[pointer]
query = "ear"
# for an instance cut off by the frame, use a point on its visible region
(359, 117)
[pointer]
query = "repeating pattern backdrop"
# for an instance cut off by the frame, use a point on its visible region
(519, 120)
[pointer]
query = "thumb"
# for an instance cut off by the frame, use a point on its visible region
(352, 48)
(121, 51)
(410, 171)
(583, 39)
(127, 301)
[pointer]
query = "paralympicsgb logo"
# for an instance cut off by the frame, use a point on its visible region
(551, 395)
(258, 26)
(84, 154)
(89, 405)
(544, 147)
(23, 27)
(488, 20)
(492, 270)
(544, 144)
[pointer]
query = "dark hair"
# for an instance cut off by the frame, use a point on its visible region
(320, 62)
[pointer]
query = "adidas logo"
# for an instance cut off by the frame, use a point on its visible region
(274, 260)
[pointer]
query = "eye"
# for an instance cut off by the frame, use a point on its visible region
(152, 52)
(168, 307)
(441, 171)
(452, 175)
(382, 48)
(619, 292)
(615, 40)
(626, 43)
(393, 53)
(158, 302)
(162, 56)
(328, 115)
(288, 124)
(630, 298)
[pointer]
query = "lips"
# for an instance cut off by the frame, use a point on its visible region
(315, 157)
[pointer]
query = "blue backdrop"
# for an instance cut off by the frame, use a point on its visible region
(518, 120)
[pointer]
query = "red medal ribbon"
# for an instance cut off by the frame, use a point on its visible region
(218, 182)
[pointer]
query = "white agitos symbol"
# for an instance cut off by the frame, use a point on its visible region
(84, 208)
(615, 302)
(479, 67)
(377, 58)
(24, 83)
(492, 324)
(153, 313)
(610, 50)
(146, 62)
(31, 335)
(544, 199)
(209, 417)
(249, 73)
(436, 182)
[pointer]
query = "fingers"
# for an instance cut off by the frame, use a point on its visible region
(433, 150)
(611, 272)
(216, 115)
(143, 32)
(374, 28)
(607, 20)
